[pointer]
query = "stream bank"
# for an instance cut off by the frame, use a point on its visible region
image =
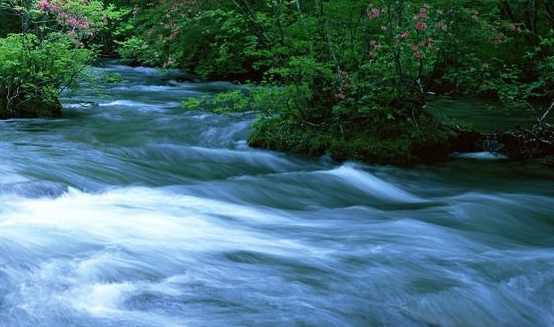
(403, 140)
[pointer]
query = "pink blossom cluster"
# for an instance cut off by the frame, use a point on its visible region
(420, 25)
(46, 6)
(374, 46)
(75, 22)
(416, 48)
(344, 84)
(373, 13)
(420, 18)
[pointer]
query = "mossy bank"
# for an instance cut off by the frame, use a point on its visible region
(374, 139)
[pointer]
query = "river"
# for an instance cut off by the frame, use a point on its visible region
(130, 211)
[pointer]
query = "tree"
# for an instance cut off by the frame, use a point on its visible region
(48, 54)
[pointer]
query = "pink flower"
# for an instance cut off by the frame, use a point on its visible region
(404, 34)
(373, 43)
(43, 4)
(47, 7)
(72, 21)
(418, 54)
(420, 26)
(374, 13)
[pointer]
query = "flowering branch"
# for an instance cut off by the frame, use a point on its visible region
(407, 39)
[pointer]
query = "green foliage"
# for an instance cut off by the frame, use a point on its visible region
(113, 78)
(229, 102)
(469, 48)
(391, 50)
(132, 47)
(48, 55)
(181, 34)
(265, 101)
(350, 65)
(35, 70)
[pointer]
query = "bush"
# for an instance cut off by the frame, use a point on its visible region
(48, 55)
(33, 72)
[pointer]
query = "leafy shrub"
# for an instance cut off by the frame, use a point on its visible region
(34, 71)
(49, 55)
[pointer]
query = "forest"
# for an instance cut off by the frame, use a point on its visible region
(349, 78)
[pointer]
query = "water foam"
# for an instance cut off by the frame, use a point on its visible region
(484, 155)
(93, 253)
(372, 185)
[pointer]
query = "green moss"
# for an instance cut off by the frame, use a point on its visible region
(372, 150)
(372, 139)
(289, 136)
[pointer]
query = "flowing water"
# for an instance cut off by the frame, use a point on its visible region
(130, 211)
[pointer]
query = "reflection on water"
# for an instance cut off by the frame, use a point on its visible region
(486, 116)
(134, 212)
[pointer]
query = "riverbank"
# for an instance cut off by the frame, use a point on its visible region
(405, 140)
(371, 139)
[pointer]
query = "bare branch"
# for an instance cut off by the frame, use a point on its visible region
(546, 113)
